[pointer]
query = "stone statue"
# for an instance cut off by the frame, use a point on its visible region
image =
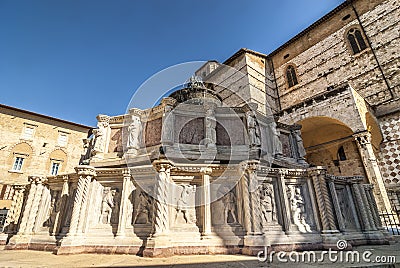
(253, 130)
(267, 203)
(142, 214)
(183, 204)
(229, 201)
(99, 139)
(298, 209)
(107, 204)
(278, 151)
(211, 123)
(168, 124)
(195, 82)
(134, 133)
(300, 145)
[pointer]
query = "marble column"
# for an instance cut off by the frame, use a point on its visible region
(249, 186)
(284, 201)
(361, 207)
(127, 188)
(336, 205)
(368, 207)
(15, 209)
(161, 198)
(206, 172)
(314, 205)
(58, 225)
(372, 203)
(254, 197)
(32, 205)
(85, 173)
(363, 140)
(323, 200)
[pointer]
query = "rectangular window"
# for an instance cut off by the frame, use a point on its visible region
(55, 166)
(28, 132)
(18, 163)
(62, 139)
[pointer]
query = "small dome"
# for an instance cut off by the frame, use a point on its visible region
(195, 92)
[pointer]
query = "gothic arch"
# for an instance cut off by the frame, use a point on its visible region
(323, 137)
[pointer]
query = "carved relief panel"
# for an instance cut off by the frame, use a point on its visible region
(300, 207)
(224, 211)
(153, 132)
(184, 204)
(189, 131)
(142, 208)
(345, 209)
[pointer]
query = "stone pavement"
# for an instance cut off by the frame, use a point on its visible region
(25, 258)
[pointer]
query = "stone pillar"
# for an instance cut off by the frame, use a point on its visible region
(372, 204)
(159, 243)
(284, 201)
(30, 210)
(336, 206)
(64, 197)
(86, 173)
(249, 184)
(32, 204)
(127, 188)
(363, 140)
(206, 172)
(254, 198)
(44, 207)
(15, 209)
(324, 203)
(244, 183)
(361, 207)
(161, 198)
(367, 207)
(313, 203)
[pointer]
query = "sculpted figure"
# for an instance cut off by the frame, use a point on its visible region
(268, 203)
(276, 141)
(299, 142)
(183, 204)
(99, 137)
(107, 204)
(229, 201)
(134, 132)
(298, 209)
(142, 214)
(211, 123)
(168, 127)
(253, 129)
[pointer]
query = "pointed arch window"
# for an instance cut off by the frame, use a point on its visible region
(356, 40)
(291, 76)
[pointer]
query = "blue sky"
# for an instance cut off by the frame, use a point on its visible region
(75, 59)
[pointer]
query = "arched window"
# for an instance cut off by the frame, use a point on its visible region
(356, 40)
(341, 154)
(291, 76)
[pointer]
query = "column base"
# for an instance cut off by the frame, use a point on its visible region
(159, 246)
